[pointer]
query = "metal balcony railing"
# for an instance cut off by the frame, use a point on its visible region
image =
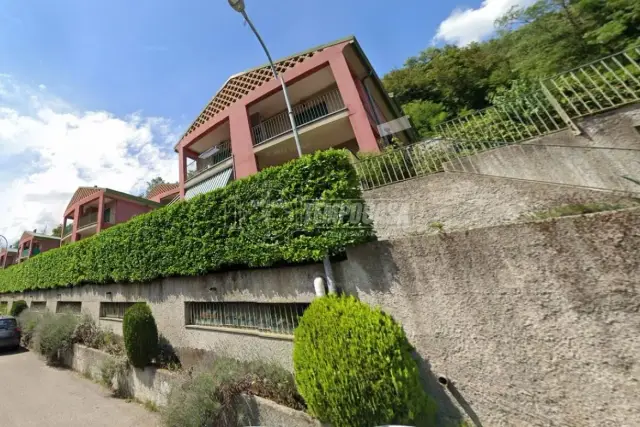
(24, 253)
(88, 219)
(209, 159)
(309, 111)
(67, 230)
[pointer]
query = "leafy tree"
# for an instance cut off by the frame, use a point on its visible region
(57, 231)
(425, 115)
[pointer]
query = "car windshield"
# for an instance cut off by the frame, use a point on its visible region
(7, 323)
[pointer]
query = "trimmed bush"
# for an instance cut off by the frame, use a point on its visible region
(354, 367)
(18, 307)
(140, 335)
(54, 336)
(258, 221)
(28, 322)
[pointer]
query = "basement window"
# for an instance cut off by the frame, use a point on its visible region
(278, 318)
(114, 310)
(73, 307)
(38, 306)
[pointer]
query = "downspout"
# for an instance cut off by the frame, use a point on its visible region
(372, 103)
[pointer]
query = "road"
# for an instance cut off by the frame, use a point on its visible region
(33, 394)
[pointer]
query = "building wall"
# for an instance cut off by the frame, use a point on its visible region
(47, 244)
(606, 153)
(533, 324)
(125, 210)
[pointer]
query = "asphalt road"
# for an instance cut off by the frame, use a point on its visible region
(33, 394)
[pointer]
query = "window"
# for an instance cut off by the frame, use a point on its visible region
(114, 310)
(8, 324)
(4, 305)
(72, 307)
(281, 318)
(38, 306)
(107, 215)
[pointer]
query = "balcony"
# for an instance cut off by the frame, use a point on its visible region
(209, 159)
(304, 113)
(25, 252)
(88, 220)
(67, 230)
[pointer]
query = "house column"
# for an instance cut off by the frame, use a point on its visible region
(244, 160)
(76, 216)
(64, 226)
(357, 112)
(100, 213)
(30, 247)
(182, 174)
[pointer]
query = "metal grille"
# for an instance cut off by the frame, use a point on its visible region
(72, 307)
(304, 113)
(114, 310)
(601, 85)
(4, 305)
(38, 306)
(209, 159)
(280, 318)
(88, 219)
(218, 180)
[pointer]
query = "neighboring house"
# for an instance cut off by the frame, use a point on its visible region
(337, 99)
(8, 256)
(33, 243)
(164, 193)
(93, 209)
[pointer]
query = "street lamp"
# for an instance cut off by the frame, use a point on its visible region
(238, 6)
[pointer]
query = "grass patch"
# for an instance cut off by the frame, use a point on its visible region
(578, 209)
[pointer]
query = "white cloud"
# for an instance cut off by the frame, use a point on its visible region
(42, 87)
(48, 149)
(465, 26)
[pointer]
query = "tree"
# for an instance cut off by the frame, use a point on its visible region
(57, 231)
(425, 116)
(152, 184)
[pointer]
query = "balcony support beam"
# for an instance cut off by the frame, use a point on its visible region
(76, 217)
(244, 160)
(100, 213)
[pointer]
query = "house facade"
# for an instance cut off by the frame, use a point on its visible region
(93, 209)
(33, 243)
(164, 193)
(8, 256)
(337, 100)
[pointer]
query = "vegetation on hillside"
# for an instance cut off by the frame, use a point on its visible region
(550, 36)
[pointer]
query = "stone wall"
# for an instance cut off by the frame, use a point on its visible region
(534, 324)
(606, 153)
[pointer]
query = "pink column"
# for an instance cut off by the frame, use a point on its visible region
(182, 170)
(241, 142)
(76, 216)
(357, 112)
(100, 213)
(30, 248)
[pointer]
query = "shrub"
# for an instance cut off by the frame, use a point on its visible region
(258, 221)
(354, 366)
(28, 322)
(113, 373)
(18, 307)
(54, 336)
(88, 333)
(140, 334)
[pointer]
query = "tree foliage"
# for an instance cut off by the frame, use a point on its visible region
(57, 231)
(532, 42)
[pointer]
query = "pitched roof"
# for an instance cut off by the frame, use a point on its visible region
(83, 192)
(162, 188)
(239, 85)
(39, 235)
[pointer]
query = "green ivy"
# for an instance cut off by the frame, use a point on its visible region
(258, 221)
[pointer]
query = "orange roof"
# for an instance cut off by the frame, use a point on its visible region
(81, 193)
(162, 188)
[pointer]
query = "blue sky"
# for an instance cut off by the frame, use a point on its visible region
(97, 93)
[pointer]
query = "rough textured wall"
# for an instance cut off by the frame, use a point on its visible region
(125, 210)
(536, 324)
(167, 300)
(608, 150)
(461, 201)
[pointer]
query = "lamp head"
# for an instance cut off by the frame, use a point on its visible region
(237, 5)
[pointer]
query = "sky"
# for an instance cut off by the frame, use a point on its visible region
(97, 93)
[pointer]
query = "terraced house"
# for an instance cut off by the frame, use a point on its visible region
(338, 101)
(93, 209)
(8, 257)
(33, 243)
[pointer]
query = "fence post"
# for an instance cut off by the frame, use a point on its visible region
(556, 105)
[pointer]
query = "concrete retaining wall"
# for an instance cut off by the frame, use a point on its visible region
(606, 152)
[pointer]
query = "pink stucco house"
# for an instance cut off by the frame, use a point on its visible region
(8, 256)
(164, 193)
(93, 209)
(338, 101)
(33, 243)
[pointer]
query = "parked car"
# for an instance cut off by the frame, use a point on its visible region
(9, 333)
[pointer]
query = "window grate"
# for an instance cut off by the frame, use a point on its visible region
(114, 310)
(280, 318)
(38, 306)
(73, 307)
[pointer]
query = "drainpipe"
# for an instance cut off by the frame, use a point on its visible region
(372, 104)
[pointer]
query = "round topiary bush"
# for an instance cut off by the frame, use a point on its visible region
(18, 307)
(353, 366)
(140, 335)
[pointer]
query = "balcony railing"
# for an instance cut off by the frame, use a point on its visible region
(24, 253)
(67, 230)
(88, 219)
(304, 113)
(210, 158)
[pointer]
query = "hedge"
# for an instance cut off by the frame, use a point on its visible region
(258, 221)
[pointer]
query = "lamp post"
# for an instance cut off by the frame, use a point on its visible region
(238, 6)
(6, 254)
